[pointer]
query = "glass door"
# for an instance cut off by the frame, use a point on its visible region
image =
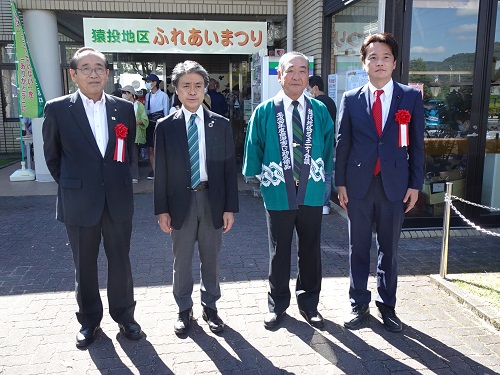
(442, 63)
(490, 192)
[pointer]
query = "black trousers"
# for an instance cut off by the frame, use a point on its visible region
(85, 243)
(306, 221)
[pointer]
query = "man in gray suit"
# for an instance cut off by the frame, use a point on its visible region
(88, 139)
(195, 191)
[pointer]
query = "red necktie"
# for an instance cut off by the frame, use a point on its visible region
(377, 117)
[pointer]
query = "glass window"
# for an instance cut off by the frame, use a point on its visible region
(442, 55)
(491, 174)
(9, 90)
(349, 29)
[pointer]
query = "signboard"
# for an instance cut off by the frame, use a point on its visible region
(332, 87)
(30, 96)
(174, 36)
(355, 78)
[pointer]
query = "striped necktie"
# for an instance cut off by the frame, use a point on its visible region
(194, 153)
(297, 141)
(377, 117)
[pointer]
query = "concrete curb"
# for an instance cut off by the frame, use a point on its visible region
(485, 311)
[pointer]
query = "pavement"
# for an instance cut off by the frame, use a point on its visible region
(442, 334)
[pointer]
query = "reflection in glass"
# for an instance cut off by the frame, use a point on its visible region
(491, 175)
(442, 56)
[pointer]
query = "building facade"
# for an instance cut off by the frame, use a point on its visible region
(450, 50)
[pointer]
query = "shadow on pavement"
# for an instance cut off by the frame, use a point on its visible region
(248, 359)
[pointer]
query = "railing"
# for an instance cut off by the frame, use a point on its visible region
(448, 199)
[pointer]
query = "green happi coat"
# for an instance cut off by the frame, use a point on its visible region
(263, 157)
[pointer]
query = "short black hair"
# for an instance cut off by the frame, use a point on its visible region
(386, 38)
(317, 81)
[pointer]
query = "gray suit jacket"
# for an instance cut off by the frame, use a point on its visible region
(173, 171)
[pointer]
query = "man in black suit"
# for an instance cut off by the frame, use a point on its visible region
(195, 191)
(88, 139)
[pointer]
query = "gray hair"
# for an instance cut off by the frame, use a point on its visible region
(73, 63)
(289, 56)
(187, 67)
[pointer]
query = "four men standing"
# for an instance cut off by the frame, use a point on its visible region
(89, 137)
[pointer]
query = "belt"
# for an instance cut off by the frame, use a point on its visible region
(201, 186)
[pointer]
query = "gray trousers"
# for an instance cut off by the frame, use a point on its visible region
(197, 227)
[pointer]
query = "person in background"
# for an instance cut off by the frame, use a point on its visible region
(289, 144)
(157, 106)
(219, 104)
(195, 191)
(88, 141)
(142, 121)
(379, 172)
(316, 88)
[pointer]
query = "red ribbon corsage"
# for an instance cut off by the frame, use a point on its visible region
(121, 132)
(403, 118)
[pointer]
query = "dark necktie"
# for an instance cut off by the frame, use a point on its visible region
(194, 153)
(377, 117)
(297, 141)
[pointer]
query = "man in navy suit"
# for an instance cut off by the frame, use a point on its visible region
(195, 191)
(379, 173)
(82, 133)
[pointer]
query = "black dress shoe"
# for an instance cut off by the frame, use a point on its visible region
(86, 336)
(181, 326)
(314, 318)
(272, 319)
(358, 315)
(391, 321)
(131, 330)
(212, 318)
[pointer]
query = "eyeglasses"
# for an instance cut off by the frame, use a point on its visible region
(88, 71)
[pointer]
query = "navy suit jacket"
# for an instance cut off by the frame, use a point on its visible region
(359, 146)
(87, 180)
(172, 192)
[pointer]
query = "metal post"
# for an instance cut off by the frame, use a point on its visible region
(446, 232)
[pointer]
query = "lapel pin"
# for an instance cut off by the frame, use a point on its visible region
(112, 118)
(210, 124)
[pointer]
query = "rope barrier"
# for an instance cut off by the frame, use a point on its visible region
(448, 199)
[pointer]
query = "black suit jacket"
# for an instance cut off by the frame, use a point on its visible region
(86, 179)
(172, 193)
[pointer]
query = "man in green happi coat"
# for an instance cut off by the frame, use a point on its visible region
(289, 145)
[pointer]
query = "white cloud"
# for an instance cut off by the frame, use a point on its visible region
(462, 29)
(470, 9)
(427, 50)
(466, 37)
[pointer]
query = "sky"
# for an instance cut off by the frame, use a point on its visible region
(439, 32)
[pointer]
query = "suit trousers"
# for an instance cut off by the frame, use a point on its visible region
(197, 227)
(374, 210)
(85, 242)
(306, 221)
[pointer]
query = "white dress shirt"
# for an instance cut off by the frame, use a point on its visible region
(200, 123)
(96, 114)
(385, 99)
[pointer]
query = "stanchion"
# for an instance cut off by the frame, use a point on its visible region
(446, 231)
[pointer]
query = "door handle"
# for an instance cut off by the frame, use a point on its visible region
(472, 135)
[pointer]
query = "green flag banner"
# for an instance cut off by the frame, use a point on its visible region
(30, 96)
